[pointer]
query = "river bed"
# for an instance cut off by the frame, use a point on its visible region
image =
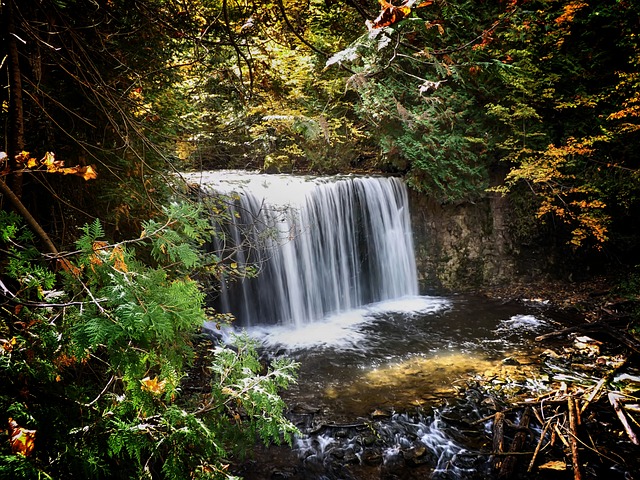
(376, 384)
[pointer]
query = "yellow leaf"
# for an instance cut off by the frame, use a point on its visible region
(152, 385)
(32, 163)
(117, 255)
(88, 172)
(553, 465)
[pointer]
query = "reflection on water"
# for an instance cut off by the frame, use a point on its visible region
(374, 382)
(402, 353)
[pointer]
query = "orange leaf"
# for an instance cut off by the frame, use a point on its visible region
(152, 385)
(88, 172)
(67, 266)
(22, 440)
(117, 255)
(22, 157)
(389, 15)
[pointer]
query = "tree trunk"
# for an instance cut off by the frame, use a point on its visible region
(15, 140)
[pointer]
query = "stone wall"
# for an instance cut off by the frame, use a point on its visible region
(462, 246)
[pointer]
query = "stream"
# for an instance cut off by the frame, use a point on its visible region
(392, 384)
(377, 387)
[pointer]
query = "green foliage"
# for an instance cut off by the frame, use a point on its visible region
(21, 262)
(559, 115)
(101, 374)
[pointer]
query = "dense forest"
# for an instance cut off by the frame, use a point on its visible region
(105, 102)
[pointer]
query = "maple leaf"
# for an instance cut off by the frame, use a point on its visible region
(22, 440)
(152, 385)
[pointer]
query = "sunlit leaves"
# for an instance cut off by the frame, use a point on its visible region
(392, 14)
(551, 175)
(153, 385)
(51, 165)
(22, 440)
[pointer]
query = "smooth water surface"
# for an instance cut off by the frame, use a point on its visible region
(402, 353)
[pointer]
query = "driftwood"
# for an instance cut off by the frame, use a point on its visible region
(606, 327)
(509, 464)
(573, 429)
(498, 439)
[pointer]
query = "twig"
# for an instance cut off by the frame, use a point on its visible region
(22, 210)
(560, 435)
(537, 450)
(498, 439)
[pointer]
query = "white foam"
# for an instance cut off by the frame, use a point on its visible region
(409, 305)
(342, 331)
(521, 322)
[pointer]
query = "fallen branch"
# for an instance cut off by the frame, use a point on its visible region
(539, 446)
(508, 466)
(498, 439)
(573, 429)
(614, 399)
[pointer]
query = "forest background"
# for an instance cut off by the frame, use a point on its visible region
(105, 101)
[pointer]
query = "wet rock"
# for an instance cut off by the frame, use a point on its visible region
(283, 473)
(304, 408)
(510, 361)
(372, 457)
(350, 457)
(415, 456)
(368, 440)
(379, 414)
(341, 433)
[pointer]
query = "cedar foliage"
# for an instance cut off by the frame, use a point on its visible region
(98, 360)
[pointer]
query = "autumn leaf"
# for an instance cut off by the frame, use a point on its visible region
(152, 385)
(391, 14)
(117, 255)
(22, 157)
(67, 266)
(87, 172)
(553, 465)
(388, 16)
(22, 440)
(7, 345)
(52, 165)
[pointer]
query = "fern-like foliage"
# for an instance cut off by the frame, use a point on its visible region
(101, 378)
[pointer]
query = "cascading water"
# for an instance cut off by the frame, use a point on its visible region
(336, 291)
(321, 246)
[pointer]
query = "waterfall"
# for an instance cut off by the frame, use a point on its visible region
(320, 245)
